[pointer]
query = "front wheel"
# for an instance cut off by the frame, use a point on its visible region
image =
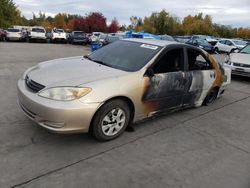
(111, 120)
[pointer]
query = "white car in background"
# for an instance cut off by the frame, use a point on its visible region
(15, 35)
(37, 33)
(95, 37)
(229, 45)
(58, 35)
(239, 62)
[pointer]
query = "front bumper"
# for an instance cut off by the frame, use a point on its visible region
(59, 38)
(37, 37)
(79, 41)
(56, 116)
(241, 71)
(14, 38)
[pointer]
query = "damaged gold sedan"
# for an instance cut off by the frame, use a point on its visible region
(119, 84)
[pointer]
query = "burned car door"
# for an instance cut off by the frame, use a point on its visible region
(165, 87)
(199, 76)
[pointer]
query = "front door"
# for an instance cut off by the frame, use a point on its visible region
(166, 88)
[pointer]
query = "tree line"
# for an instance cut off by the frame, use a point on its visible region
(157, 23)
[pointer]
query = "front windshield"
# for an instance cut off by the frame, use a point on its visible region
(246, 50)
(203, 42)
(79, 33)
(239, 42)
(125, 55)
(60, 30)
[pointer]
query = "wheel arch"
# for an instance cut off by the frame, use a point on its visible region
(123, 98)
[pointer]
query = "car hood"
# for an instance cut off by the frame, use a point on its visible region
(72, 71)
(240, 58)
(240, 46)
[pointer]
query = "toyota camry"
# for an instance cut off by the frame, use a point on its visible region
(121, 83)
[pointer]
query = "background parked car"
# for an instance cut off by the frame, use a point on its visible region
(229, 45)
(2, 35)
(103, 38)
(88, 35)
(240, 62)
(95, 36)
(202, 43)
(182, 39)
(113, 38)
(15, 35)
(209, 39)
(37, 33)
(168, 38)
(78, 37)
(58, 35)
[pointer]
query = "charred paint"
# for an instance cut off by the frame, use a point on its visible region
(164, 91)
(173, 90)
(219, 72)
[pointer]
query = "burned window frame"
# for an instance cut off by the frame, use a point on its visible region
(163, 52)
(210, 67)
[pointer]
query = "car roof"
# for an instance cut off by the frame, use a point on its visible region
(152, 41)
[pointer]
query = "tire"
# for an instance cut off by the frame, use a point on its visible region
(232, 51)
(211, 97)
(216, 49)
(104, 126)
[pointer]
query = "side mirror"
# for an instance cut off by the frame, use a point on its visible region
(150, 72)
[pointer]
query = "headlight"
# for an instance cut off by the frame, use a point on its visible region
(64, 93)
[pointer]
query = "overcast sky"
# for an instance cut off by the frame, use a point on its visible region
(235, 13)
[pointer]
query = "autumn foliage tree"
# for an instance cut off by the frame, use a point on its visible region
(198, 24)
(114, 26)
(59, 21)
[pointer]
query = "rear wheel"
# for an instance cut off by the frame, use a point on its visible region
(211, 97)
(111, 120)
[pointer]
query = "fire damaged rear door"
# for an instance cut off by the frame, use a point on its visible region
(199, 77)
(165, 89)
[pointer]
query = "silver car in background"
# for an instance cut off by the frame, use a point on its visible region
(124, 82)
(239, 62)
(15, 35)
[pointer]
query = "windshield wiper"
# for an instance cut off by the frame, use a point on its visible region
(97, 61)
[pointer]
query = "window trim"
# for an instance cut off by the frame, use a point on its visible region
(164, 51)
(186, 67)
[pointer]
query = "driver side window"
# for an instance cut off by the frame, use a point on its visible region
(171, 61)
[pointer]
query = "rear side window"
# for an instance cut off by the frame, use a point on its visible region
(13, 30)
(197, 60)
(38, 30)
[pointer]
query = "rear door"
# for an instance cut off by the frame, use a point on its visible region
(199, 76)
